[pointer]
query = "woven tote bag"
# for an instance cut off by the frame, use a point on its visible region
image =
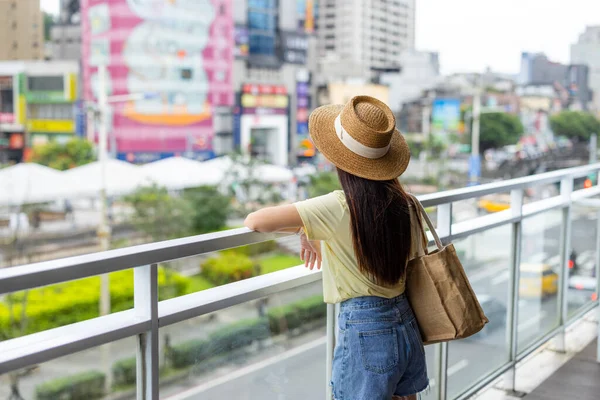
(440, 294)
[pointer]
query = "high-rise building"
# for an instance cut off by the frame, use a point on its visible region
(587, 52)
(358, 38)
(21, 30)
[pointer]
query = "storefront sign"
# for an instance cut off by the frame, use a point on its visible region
(264, 99)
(7, 118)
(294, 47)
(46, 97)
(305, 146)
(16, 141)
(51, 126)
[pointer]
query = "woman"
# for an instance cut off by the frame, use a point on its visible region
(369, 231)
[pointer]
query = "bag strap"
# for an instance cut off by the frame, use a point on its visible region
(424, 215)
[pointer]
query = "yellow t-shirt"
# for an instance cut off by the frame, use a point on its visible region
(327, 218)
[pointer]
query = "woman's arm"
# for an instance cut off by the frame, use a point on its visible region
(275, 219)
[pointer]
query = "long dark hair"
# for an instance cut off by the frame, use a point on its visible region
(380, 225)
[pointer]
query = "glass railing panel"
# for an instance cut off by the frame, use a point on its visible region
(486, 259)
(582, 257)
(265, 349)
(539, 276)
(104, 372)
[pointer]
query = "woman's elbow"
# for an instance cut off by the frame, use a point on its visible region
(252, 223)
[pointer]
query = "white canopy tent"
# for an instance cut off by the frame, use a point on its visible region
(121, 178)
(179, 173)
(28, 183)
(267, 173)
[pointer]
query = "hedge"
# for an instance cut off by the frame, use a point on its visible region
(83, 386)
(221, 342)
(66, 303)
(229, 267)
(124, 372)
(293, 315)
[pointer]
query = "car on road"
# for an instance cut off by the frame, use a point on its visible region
(538, 280)
(495, 203)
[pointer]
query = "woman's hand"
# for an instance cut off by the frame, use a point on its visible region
(310, 252)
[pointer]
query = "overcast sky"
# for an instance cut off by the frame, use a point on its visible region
(471, 35)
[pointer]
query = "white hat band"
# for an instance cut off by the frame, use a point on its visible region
(357, 147)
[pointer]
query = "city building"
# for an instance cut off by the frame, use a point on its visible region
(38, 104)
(273, 80)
(587, 52)
(21, 30)
(420, 71)
(65, 35)
(537, 69)
(360, 38)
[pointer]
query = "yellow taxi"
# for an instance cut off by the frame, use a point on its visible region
(537, 281)
(494, 203)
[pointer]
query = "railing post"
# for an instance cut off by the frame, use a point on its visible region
(444, 225)
(331, 332)
(512, 317)
(146, 306)
(597, 270)
(566, 188)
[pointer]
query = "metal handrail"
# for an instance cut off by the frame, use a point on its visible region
(149, 314)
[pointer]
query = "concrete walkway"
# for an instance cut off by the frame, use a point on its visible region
(578, 379)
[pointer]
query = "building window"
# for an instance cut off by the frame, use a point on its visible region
(262, 26)
(330, 47)
(45, 83)
(35, 45)
(14, 25)
(15, 45)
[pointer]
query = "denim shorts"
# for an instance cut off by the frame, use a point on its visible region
(379, 352)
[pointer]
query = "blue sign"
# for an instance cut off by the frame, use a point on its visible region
(445, 115)
(80, 118)
(474, 169)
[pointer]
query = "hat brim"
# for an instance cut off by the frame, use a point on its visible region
(321, 126)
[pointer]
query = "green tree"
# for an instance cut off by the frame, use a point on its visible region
(159, 214)
(323, 183)
(211, 209)
(60, 156)
(49, 22)
(576, 125)
(499, 129)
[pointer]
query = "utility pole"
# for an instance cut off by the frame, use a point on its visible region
(475, 160)
(103, 228)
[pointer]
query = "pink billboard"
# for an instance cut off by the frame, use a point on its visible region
(168, 61)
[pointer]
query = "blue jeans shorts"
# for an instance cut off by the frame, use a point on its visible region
(379, 352)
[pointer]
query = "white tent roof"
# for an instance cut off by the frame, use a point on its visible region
(179, 173)
(121, 178)
(267, 173)
(28, 183)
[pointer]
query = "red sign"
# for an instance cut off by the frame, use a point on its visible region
(264, 89)
(16, 141)
(6, 118)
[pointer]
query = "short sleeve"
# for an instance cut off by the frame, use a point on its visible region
(321, 215)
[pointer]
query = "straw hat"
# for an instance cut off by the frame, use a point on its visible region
(360, 138)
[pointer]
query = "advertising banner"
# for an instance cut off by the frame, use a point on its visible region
(445, 116)
(174, 61)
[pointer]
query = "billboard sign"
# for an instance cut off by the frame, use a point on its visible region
(445, 116)
(294, 47)
(175, 57)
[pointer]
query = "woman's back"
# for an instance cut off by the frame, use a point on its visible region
(328, 218)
